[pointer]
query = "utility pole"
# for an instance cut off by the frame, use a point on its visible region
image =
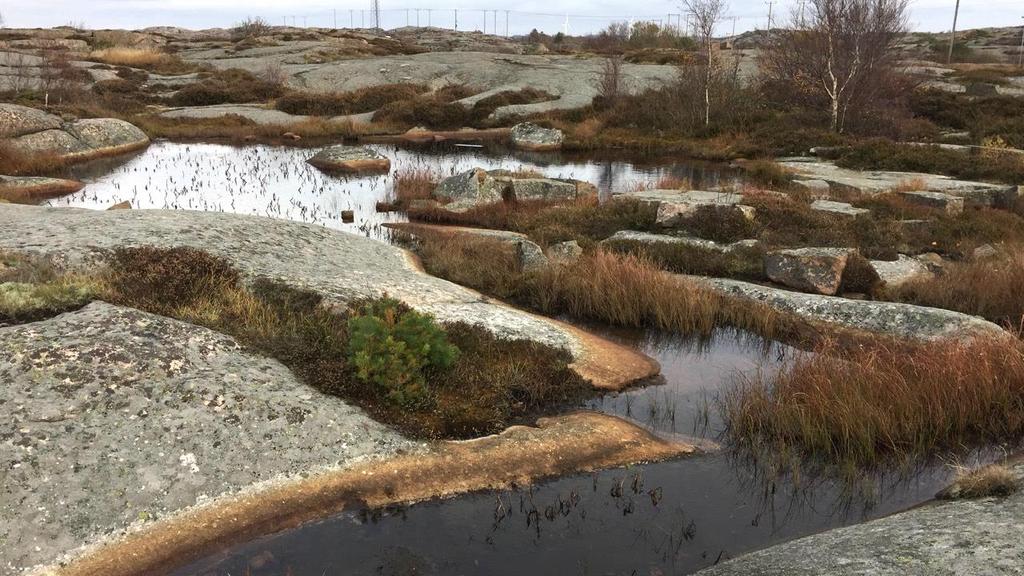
(429, 10)
(566, 26)
(407, 17)
(335, 10)
(351, 19)
(770, 3)
(952, 34)
(506, 23)
(456, 19)
(376, 14)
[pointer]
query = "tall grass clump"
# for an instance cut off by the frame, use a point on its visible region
(884, 403)
(414, 184)
(617, 289)
(150, 59)
(989, 287)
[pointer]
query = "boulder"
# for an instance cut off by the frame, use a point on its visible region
(838, 208)
(945, 202)
(528, 136)
(984, 251)
(565, 251)
(816, 188)
(675, 206)
(478, 186)
(900, 271)
(34, 188)
(467, 189)
(126, 205)
(18, 120)
(886, 318)
(78, 139)
(815, 270)
(108, 135)
(633, 236)
(350, 159)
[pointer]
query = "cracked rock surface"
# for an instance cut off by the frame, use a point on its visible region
(110, 416)
(341, 267)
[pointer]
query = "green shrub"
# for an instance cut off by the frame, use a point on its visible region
(392, 346)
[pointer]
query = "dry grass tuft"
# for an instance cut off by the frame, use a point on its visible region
(146, 58)
(884, 402)
(994, 480)
(414, 184)
(622, 290)
(989, 287)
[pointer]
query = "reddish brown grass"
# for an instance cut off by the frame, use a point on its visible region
(990, 288)
(622, 290)
(867, 405)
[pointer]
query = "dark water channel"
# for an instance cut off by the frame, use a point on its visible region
(666, 518)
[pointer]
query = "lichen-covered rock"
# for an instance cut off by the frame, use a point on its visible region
(649, 238)
(952, 538)
(114, 416)
(108, 135)
(900, 271)
(477, 186)
(838, 208)
(528, 136)
(890, 318)
(817, 189)
(816, 270)
(33, 188)
(674, 207)
(80, 139)
(467, 189)
(354, 159)
(946, 202)
(565, 251)
(17, 120)
(341, 267)
(873, 182)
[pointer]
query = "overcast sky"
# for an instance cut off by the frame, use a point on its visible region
(549, 16)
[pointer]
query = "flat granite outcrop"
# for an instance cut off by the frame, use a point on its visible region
(956, 538)
(872, 182)
(112, 417)
(893, 318)
(339, 266)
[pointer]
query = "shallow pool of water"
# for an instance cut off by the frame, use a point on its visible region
(276, 181)
(665, 518)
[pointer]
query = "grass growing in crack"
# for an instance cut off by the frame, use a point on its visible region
(492, 384)
(584, 220)
(866, 406)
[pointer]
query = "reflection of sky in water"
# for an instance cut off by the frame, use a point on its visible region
(663, 518)
(277, 181)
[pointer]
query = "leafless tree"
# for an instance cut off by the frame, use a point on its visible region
(843, 56)
(706, 15)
